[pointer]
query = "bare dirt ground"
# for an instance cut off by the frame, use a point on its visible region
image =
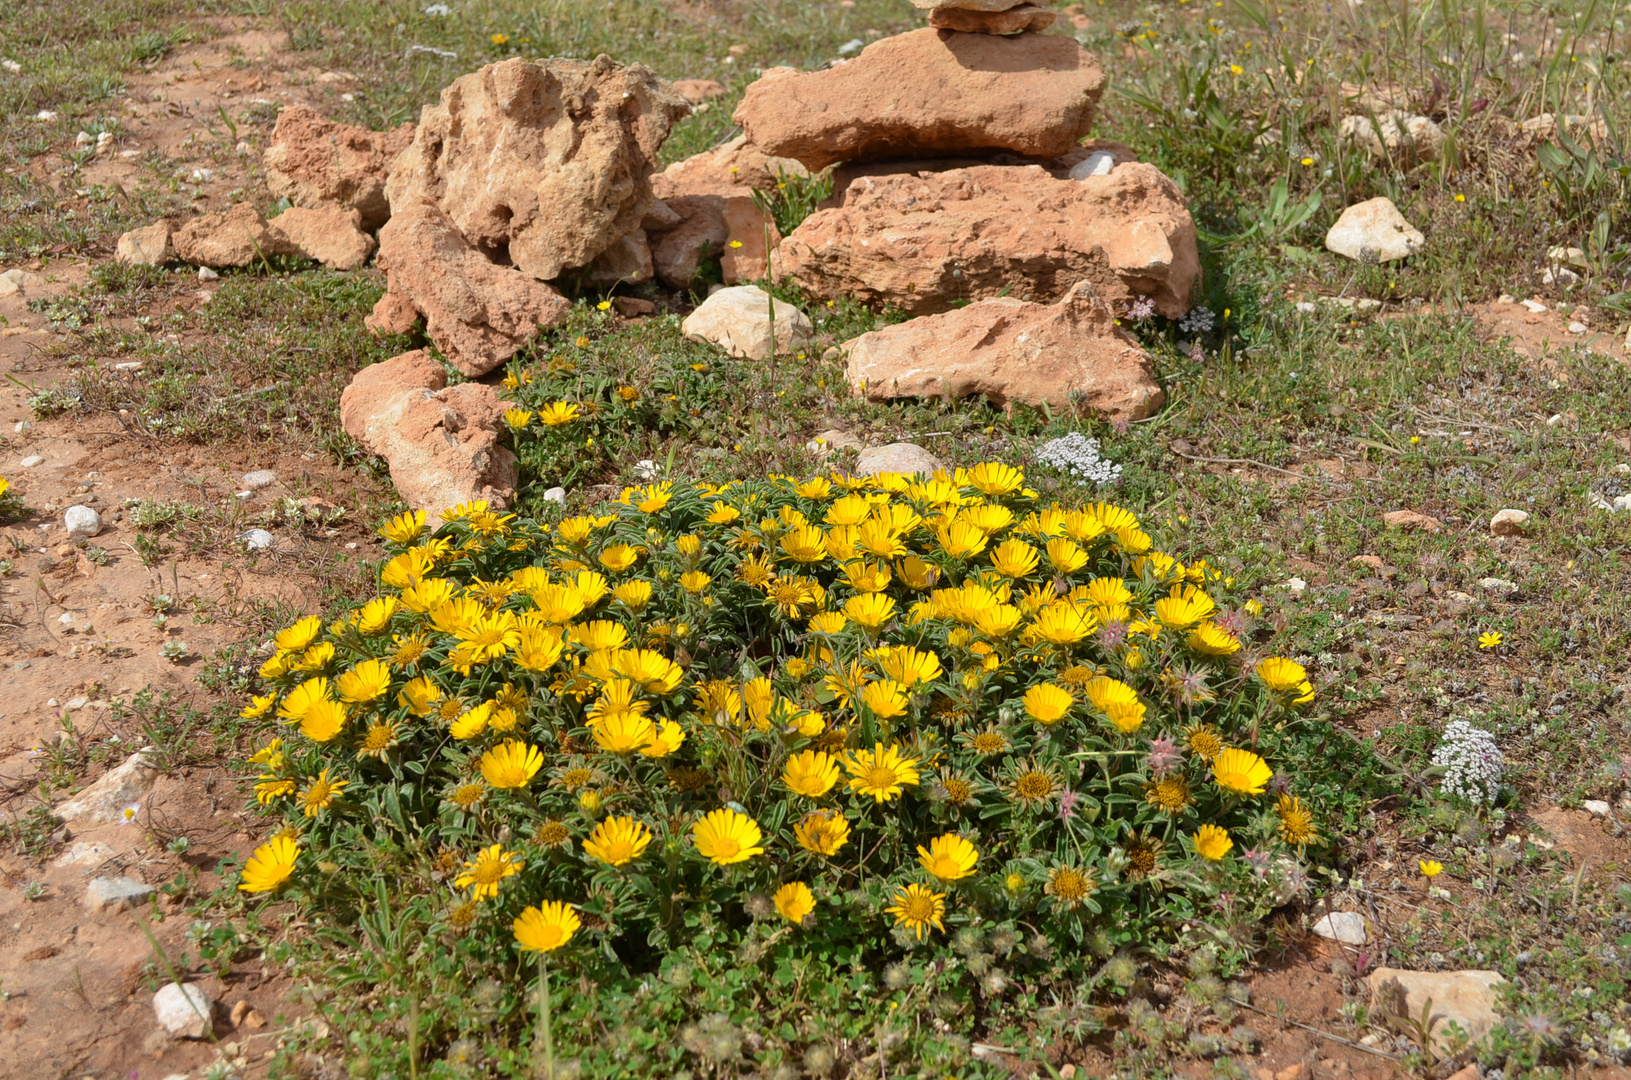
(77, 642)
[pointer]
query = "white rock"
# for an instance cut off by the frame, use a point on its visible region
(1578, 328)
(1535, 307)
(12, 67)
(556, 495)
(258, 540)
(184, 1010)
(115, 893)
(1508, 523)
(77, 703)
(206, 274)
(45, 116)
(103, 141)
(1374, 230)
(86, 853)
(1296, 584)
(1560, 275)
(104, 801)
(17, 282)
(1348, 927)
(202, 176)
(31, 460)
(1497, 585)
(22, 427)
(1568, 256)
(647, 470)
(853, 45)
(826, 443)
(902, 457)
(147, 246)
(737, 319)
(1597, 807)
(1098, 163)
(81, 522)
(260, 478)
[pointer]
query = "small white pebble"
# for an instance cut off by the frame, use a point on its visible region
(32, 460)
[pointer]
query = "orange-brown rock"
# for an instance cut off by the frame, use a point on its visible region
(546, 164)
(477, 312)
(331, 235)
(1015, 20)
(626, 262)
(736, 165)
(235, 237)
(922, 242)
(696, 91)
(928, 93)
(392, 314)
(1068, 354)
(315, 162)
(441, 442)
(711, 198)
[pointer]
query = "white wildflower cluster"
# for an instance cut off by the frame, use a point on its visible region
(1197, 320)
(1471, 761)
(1078, 456)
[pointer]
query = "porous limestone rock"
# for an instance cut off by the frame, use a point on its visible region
(1374, 231)
(696, 91)
(707, 202)
(1066, 354)
(546, 164)
(1015, 20)
(392, 314)
(906, 458)
(238, 236)
(316, 162)
(967, 5)
(105, 801)
(147, 246)
(1466, 997)
(928, 93)
(476, 312)
(441, 442)
(331, 235)
(924, 241)
(626, 262)
(738, 320)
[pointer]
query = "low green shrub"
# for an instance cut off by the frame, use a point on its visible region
(831, 718)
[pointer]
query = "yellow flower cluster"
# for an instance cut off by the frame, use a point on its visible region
(741, 680)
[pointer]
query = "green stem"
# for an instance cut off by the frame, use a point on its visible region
(543, 1018)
